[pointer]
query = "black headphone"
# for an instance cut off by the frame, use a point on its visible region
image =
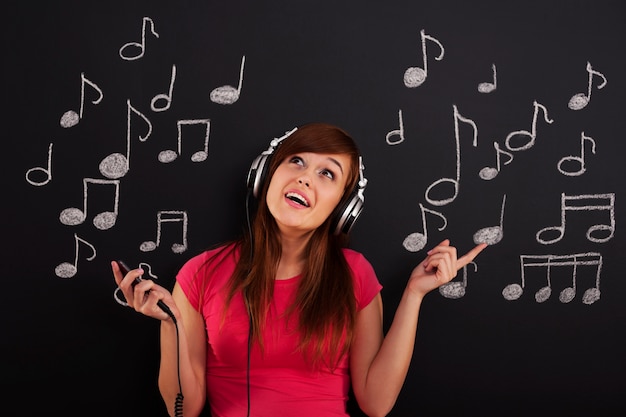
(345, 215)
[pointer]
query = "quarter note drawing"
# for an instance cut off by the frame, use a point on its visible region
(453, 181)
(167, 98)
(102, 221)
(532, 135)
(489, 173)
(488, 87)
(198, 156)
(168, 216)
(139, 46)
(455, 289)
(397, 132)
(415, 76)
(492, 234)
(67, 269)
(117, 165)
(46, 171)
(583, 202)
(416, 241)
(227, 94)
(70, 118)
(577, 160)
(590, 259)
(579, 101)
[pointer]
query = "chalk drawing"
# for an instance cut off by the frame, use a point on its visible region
(70, 118)
(47, 171)
(579, 101)
(141, 46)
(489, 173)
(453, 181)
(165, 97)
(416, 241)
(67, 269)
(415, 76)
(168, 216)
(199, 156)
(227, 94)
(486, 87)
(117, 165)
(118, 296)
(532, 134)
(590, 296)
(577, 159)
(104, 220)
(455, 289)
(492, 234)
(398, 132)
(588, 202)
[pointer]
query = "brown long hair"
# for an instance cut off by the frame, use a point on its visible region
(325, 300)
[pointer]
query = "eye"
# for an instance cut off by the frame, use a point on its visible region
(328, 173)
(296, 160)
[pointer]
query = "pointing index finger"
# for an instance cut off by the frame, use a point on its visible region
(469, 256)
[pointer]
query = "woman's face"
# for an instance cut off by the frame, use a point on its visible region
(305, 189)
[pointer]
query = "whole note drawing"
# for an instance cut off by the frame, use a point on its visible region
(69, 270)
(579, 101)
(489, 87)
(166, 97)
(168, 216)
(583, 202)
(455, 289)
(147, 269)
(577, 160)
(117, 165)
(453, 181)
(228, 94)
(140, 46)
(70, 118)
(104, 220)
(46, 171)
(169, 155)
(591, 295)
(492, 234)
(398, 132)
(415, 76)
(416, 241)
(489, 173)
(532, 135)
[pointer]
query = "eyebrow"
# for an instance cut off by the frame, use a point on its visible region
(336, 162)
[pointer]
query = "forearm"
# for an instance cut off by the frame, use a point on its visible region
(175, 359)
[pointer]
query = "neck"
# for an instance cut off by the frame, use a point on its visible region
(292, 257)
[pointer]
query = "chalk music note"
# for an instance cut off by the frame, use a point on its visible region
(489, 173)
(47, 171)
(492, 234)
(199, 156)
(415, 76)
(487, 88)
(416, 241)
(70, 118)
(455, 289)
(104, 220)
(398, 132)
(580, 100)
(167, 97)
(605, 202)
(117, 296)
(168, 216)
(67, 269)
(453, 181)
(591, 295)
(577, 159)
(139, 45)
(227, 94)
(117, 165)
(532, 134)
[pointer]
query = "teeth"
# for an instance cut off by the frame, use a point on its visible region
(297, 198)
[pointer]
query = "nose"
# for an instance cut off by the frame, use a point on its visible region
(305, 182)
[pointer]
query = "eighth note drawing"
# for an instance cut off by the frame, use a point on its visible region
(487, 88)
(70, 118)
(141, 46)
(415, 76)
(580, 160)
(47, 171)
(416, 241)
(168, 216)
(492, 234)
(399, 132)
(579, 101)
(105, 220)
(456, 289)
(533, 131)
(489, 173)
(227, 94)
(68, 270)
(198, 156)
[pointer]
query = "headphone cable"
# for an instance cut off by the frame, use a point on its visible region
(245, 298)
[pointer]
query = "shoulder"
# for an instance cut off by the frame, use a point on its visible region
(366, 284)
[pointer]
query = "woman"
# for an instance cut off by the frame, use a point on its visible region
(285, 320)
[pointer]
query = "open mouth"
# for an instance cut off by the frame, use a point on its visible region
(297, 198)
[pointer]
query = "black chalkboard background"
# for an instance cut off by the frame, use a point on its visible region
(70, 349)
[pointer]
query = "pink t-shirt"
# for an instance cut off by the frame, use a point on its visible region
(282, 384)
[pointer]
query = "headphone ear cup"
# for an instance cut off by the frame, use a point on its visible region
(347, 214)
(257, 174)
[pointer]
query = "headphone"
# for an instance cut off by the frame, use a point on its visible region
(344, 216)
